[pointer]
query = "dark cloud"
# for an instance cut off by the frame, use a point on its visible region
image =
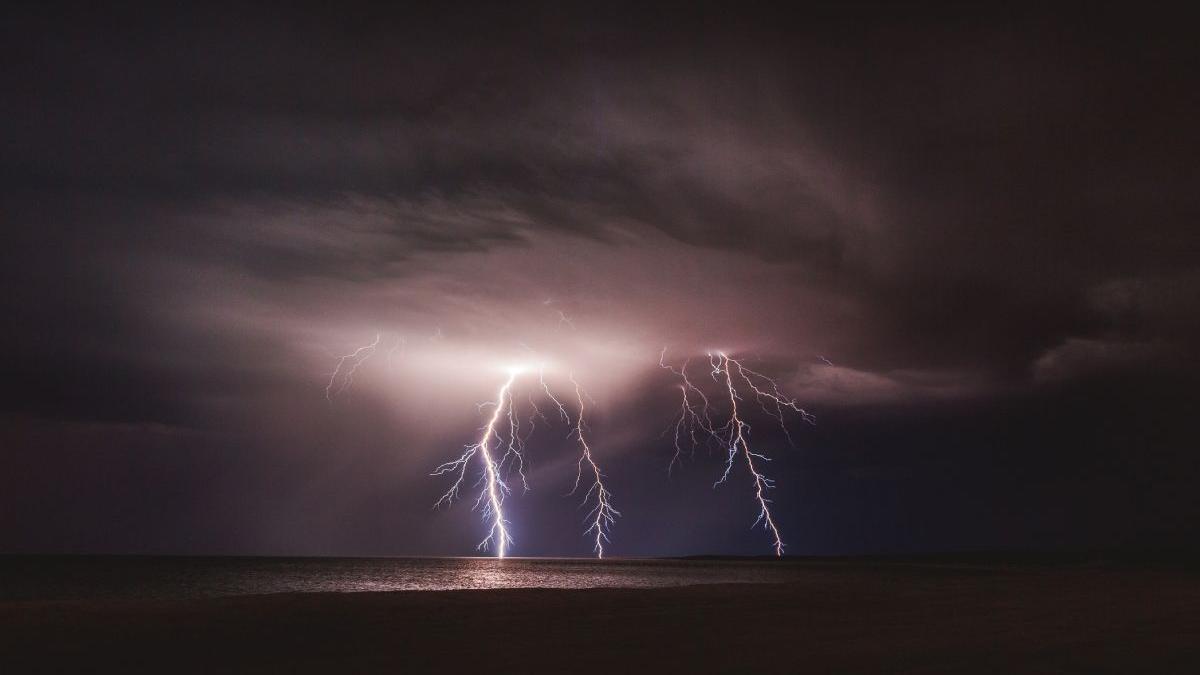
(897, 210)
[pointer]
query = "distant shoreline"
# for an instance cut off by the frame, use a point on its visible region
(1066, 556)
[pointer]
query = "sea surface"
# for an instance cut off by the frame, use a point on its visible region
(151, 577)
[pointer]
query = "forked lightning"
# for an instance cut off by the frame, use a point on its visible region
(494, 490)
(695, 421)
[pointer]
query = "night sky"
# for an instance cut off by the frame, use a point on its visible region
(965, 239)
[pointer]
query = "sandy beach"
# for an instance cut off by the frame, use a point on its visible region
(844, 619)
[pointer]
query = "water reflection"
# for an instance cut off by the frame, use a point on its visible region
(85, 577)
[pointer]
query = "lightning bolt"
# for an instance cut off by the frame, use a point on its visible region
(515, 448)
(695, 418)
(494, 488)
(774, 398)
(562, 411)
(602, 515)
(737, 438)
(343, 373)
(493, 439)
(499, 451)
(689, 418)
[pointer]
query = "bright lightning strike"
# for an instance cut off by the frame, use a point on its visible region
(494, 488)
(693, 415)
(737, 438)
(603, 515)
(550, 395)
(494, 440)
(695, 418)
(773, 398)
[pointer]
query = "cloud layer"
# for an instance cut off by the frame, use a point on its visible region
(890, 210)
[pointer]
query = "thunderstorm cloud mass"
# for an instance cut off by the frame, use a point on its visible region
(968, 249)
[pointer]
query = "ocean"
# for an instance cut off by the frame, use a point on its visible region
(169, 577)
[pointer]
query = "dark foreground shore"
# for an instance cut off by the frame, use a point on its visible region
(831, 619)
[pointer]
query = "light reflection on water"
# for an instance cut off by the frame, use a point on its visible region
(79, 577)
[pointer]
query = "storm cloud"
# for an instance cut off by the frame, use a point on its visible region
(933, 224)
